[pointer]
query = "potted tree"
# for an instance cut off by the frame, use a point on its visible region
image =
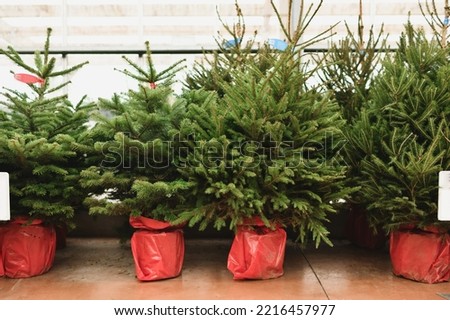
(349, 68)
(261, 155)
(42, 147)
(409, 117)
(133, 144)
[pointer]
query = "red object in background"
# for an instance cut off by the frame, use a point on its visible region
(2, 233)
(28, 78)
(158, 249)
(27, 248)
(152, 85)
(257, 252)
(360, 233)
(419, 255)
(61, 236)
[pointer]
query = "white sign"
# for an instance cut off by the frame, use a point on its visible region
(4, 196)
(444, 196)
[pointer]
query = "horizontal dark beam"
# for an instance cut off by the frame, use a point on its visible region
(124, 52)
(156, 52)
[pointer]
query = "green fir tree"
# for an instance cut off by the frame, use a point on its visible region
(350, 67)
(265, 145)
(43, 141)
(408, 122)
(134, 155)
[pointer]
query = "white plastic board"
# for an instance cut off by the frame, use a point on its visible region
(444, 196)
(4, 196)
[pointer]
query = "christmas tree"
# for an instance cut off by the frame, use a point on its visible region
(265, 145)
(43, 140)
(134, 146)
(349, 69)
(408, 119)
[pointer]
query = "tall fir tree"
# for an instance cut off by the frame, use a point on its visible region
(408, 118)
(43, 142)
(264, 144)
(350, 67)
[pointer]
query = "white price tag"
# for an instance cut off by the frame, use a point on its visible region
(444, 196)
(4, 196)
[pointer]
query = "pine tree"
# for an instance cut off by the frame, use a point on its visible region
(409, 115)
(266, 145)
(43, 140)
(134, 147)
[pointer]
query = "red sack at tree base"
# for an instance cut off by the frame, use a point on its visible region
(360, 233)
(421, 256)
(2, 233)
(28, 249)
(257, 253)
(145, 223)
(158, 249)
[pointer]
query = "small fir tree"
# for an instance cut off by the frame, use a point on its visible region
(134, 147)
(408, 118)
(43, 140)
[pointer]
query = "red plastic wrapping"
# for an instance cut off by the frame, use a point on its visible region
(2, 232)
(421, 256)
(158, 249)
(360, 233)
(257, 253)
(27, 249)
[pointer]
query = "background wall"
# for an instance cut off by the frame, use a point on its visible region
(95, 25)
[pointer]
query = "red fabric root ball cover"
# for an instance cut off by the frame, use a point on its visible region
(158, 249)
(257, 253)
(27, 250)
(421, 256)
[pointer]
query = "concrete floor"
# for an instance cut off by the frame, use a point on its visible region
(103, 269)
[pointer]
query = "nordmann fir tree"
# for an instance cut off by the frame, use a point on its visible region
(265, 145)
(349, 69)
(409, 115)
(43, 143)
(133, 142)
